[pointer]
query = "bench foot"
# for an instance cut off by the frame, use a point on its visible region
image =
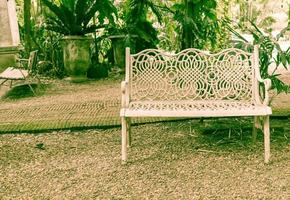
(129, 137)
(267, 138)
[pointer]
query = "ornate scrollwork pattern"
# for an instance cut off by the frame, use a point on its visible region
(191, 105)
(191, 75)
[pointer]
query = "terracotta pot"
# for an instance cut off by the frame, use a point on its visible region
(76, 56)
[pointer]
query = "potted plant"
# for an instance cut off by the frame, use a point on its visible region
(138, 22)
(134, 28)
(120, 39)
(74, 19)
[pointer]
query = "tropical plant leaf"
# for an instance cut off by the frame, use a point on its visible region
(232, 30)
(55, 9)
(75, 16)
(267, 45)
(69, 4)
(81, 6)
(155, 10)
(210, 4)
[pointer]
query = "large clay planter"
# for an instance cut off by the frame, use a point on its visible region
(118, 44)
(76, 56)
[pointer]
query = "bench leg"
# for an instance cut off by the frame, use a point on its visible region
(129, 141)
(2, 83)
(267, 138)
(254, 132)
(124, 139)
(31, 88)
(39, 82)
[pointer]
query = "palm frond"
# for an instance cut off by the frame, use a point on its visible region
(81, 6)
(156, 10)
(55, 9)
(75, 15)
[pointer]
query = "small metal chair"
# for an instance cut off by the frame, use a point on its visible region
(21, 72)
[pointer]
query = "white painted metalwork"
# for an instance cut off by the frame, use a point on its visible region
(191, 75)
(193, 83)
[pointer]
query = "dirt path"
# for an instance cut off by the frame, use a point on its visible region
(61, 92)
(66, 105)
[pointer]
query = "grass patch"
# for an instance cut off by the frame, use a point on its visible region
(24, 91)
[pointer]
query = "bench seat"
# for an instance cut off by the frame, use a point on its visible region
(14, 74)
(194, 109)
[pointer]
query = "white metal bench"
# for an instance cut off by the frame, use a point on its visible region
(193, 83)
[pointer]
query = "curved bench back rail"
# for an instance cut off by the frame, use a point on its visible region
(191, 75)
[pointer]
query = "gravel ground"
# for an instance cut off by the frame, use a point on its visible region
(167, 161)
(173, 160)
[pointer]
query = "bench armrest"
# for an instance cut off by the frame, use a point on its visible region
(124, 90)
(22, 62)
(267, 83)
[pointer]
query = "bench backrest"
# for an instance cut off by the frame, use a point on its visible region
(191, 75)
(32, 61)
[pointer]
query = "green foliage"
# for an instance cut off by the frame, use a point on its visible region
(45, 41)
(197, 21)
(49, 47)
(249, 11)
(50, 51)
(98, 71)
(137, 24)
(73, 17)
(223, 35)
(100, 58)
(167, 34)
(270, 52)
(267, 22)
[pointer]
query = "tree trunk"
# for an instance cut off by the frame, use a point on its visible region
(27, 25)
(186, 32)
